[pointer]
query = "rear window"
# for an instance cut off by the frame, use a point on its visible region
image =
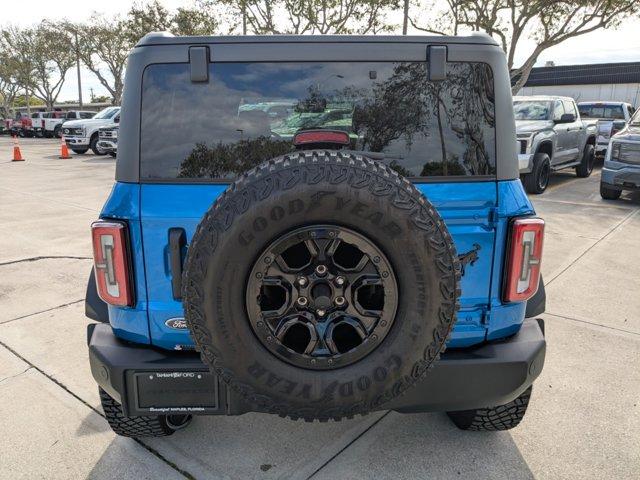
(601, 111)
(249, 112)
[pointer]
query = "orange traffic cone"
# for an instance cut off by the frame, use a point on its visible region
(64, 150)
(17, 156)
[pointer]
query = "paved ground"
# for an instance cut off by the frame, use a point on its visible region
(583, 421)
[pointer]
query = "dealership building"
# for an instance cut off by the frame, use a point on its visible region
(584, 83)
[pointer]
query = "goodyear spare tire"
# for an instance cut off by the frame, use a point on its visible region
(321, 285)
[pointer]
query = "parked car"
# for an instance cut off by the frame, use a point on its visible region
(53, 121)
(82, 135)
(609, 117)
(21, 125)
(621, 170)
(37, 121)
(317, 276)
(108, 140)
(551, 136)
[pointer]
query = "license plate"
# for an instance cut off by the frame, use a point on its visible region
(176, 391)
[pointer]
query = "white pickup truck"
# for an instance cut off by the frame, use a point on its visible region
(609, 118)
(82, 135)
(53, 121)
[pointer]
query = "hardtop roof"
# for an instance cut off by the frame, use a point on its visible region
(167, 38)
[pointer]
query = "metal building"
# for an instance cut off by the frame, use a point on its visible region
(603, 81)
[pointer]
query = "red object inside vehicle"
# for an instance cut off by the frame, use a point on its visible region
(321, 136)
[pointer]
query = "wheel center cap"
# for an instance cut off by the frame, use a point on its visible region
(321, 294)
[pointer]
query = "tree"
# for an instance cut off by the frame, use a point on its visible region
(101, 99)
(145, 18)
(15, 43)
(8, 86)
(312, 16)
(153, 17)
(546, 22)
(195, 21)
(103, 47)
(52, 59)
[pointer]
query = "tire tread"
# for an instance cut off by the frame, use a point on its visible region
(135, 427)
(502, 417)
(310, 167)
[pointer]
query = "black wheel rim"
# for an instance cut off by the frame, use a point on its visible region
(543, 179)
(321, 297)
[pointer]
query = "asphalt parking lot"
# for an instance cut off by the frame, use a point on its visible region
(583, 421)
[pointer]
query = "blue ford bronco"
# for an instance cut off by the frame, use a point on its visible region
(302, 225)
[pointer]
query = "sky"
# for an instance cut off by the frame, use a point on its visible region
(619, 45)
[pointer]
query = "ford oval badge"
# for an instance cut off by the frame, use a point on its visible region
(177, 323)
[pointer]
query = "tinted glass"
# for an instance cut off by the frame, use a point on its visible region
(107, 112)
(532, 110)
(250, 112)
(601, 111)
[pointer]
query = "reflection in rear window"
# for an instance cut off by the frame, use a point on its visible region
(249, 112)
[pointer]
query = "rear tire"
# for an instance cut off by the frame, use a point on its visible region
(537, 181)
(609, 193)
(588, 159)
(80, 151)
(160, 426)
(93, 145)
(503, 417)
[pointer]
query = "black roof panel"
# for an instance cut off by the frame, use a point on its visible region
(623, 72)
(166, 38)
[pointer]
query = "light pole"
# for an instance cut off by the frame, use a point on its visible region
(406, 17)
(78, 68)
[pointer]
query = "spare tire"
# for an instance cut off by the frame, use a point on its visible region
(321, 285)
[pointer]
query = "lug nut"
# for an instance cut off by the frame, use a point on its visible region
(339, 281)
(302, 281)
(302, 301)
(321, 270)
(320, 312)
(339, 301)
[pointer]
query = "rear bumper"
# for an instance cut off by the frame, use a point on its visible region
(151, 381)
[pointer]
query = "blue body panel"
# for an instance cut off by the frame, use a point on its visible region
(130, 323)
(476, 213)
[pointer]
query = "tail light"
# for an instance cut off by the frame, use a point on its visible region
(523, 259)
(111, 262)
(42, 123)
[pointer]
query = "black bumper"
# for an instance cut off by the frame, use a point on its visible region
(151, 381)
